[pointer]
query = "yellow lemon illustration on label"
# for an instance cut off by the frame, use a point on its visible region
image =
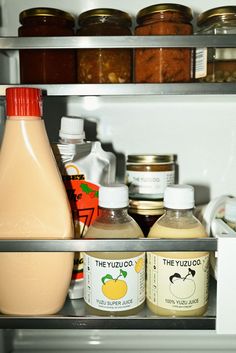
(114, 288)
(183, 287)
(139, 265)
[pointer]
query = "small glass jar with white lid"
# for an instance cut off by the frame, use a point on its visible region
(217, 64)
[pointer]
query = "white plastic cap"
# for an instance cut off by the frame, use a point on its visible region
(230, 209)
(179, 197)
(114, 196)
(72, 127)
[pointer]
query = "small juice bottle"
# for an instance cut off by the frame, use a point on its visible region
(114, 281)
(177, 282)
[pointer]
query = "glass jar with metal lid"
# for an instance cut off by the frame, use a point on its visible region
(145, 213)
(219, 63)
(164, 64)
(47, 65)
(104, 65)
(148, 175)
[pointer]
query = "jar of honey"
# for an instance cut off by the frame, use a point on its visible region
(219, 63)
(47, 65)
(145, 213)
(147, 176)
(104, 65)
(157, 65)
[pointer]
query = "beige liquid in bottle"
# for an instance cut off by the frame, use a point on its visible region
(34, 206)
(115, 274)
(177, 282)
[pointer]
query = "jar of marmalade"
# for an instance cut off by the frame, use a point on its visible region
(148, 175)
(145, 213)
(164, 64)
(47, 65)
(219, 63)
(104, 65)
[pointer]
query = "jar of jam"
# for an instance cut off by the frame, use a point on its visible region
(219, 63)
(157, 65)
(148, 175)
(47, 65)
(104, 65)
(145, 213)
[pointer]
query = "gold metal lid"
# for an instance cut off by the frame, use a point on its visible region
(216, 14)
(105, 13)
(150, 159)
(146, 207)
(46, 12)
(164, 8)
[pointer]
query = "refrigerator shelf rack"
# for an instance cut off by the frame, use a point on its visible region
(130, 89)
(73, 315)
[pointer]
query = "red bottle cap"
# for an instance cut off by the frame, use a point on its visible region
(23, 101)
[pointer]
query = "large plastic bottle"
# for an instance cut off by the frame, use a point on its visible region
(114, 281)
(177, 282)
(34, 205)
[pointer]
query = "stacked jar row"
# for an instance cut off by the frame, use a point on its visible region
(124, 65)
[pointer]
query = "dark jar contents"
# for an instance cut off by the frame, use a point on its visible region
(158, 65)
(47, 65)
(216, 64)
(145, 213)
(104, 65)
(147, 176)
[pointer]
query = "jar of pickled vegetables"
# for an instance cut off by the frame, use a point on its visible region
(157, 65)
(47, 65)
(104, 65)
(217, 64)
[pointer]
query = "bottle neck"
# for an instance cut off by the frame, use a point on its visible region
(71, 141)
(113, 214)
(178, 213)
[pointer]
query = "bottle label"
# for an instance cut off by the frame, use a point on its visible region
(177, 283)
(201, 62)
(114, 285)
(83, 198)
(149, 183)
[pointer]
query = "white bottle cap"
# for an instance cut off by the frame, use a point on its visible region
(72, 127)
(230, 209)
(179, 197)
(114, 196)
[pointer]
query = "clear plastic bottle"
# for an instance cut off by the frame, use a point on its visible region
(114, 281)
(34, 205)
(177, 282)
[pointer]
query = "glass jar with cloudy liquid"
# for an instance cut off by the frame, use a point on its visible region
(217, 64)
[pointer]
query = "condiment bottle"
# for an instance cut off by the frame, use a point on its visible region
(163, 64)
(177, 282)
(230, 213)
(216, 64)
(47, 65)
(104, 65)
(114, 281)
(84, 167)
(34, 205)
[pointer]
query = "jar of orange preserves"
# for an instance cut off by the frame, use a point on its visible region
(157, 65)
(104, 65)
(47, 65)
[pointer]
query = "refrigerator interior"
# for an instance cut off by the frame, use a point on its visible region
(199, 129)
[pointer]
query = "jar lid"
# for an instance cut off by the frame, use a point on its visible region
(216, 14)
(150, 159)
(105, 13)
(46, 12)
(145, 207)
(160, 8)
